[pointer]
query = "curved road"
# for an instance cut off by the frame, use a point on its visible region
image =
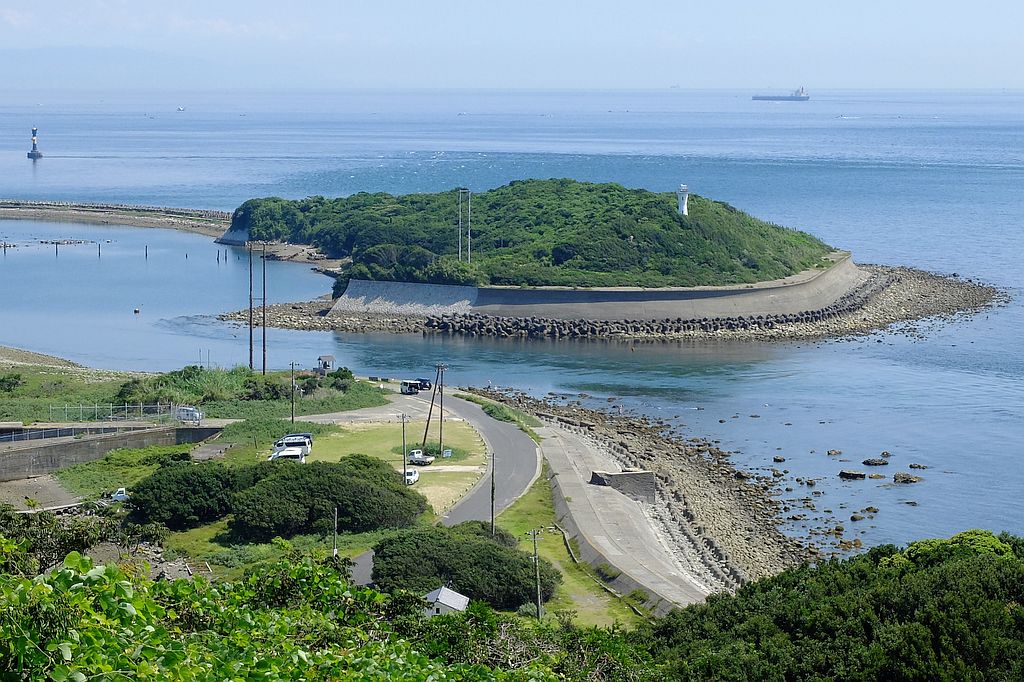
(514, 461)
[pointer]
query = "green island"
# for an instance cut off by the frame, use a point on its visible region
(537, 233)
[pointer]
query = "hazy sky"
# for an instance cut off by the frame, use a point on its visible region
(519, 44)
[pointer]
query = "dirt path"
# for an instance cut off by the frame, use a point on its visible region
(44, 490)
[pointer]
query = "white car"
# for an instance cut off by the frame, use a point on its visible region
(120, 496)
(411, 476)
(289, 454)
(295, 440)
(419, 457)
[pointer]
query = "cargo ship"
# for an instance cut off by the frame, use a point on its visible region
(799, 95)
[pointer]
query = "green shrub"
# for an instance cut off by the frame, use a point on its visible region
(184, 495)
(422, 559)
(301, 498)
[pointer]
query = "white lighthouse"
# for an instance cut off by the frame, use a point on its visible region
(683, 194)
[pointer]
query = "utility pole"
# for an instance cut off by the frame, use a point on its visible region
(405, 451)
(249, 247)
(460, 223)
(494, 462)
(335, 532)
(536, 566)
(293, 407)
(469, 229)
(440, 367)
(264, 307)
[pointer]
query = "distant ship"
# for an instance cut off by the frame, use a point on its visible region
(799, 95)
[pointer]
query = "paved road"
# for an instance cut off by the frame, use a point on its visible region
(515, 458)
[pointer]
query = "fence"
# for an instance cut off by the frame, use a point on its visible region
(112, 412)
(67, 432)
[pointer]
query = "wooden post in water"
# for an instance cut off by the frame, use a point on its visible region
(147, 251)
(99, 250)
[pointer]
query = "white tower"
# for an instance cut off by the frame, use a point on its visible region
(683, 194)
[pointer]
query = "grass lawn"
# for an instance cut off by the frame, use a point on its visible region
(118, 468)
(441, 488)
(209, 543)
(579, 591)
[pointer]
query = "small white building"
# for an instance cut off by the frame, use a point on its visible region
(325, 364)
(443, 600)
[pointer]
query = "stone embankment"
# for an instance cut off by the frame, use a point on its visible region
(211, 223)
(704, 506)
(889, 295)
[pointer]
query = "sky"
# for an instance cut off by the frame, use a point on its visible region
(526, 44)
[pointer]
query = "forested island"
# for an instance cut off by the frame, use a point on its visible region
(537, 233)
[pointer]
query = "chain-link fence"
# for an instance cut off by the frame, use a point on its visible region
(82, 412)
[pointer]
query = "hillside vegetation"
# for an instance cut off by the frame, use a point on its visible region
(937, 610)
(537, 233)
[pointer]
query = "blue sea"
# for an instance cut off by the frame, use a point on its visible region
(933, 180)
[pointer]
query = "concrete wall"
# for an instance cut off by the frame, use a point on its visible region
(234, 237)
(637, 485)
(47, 458)
(804, 292)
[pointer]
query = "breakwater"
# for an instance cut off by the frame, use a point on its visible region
(207, 222)
(888, 295)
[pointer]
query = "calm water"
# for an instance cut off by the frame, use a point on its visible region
(926, 179)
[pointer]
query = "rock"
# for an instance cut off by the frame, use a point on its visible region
(871, 510)
(876, 476)
(849, 475)
(886, 453)
(904, 477)
(778, 459)
(856, 517)
(875, 462)
(834, 452)
(918, 466)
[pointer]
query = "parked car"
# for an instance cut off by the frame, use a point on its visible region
(424, 384)
(420, 457)
(288, 454)
(120, 495)
(188, 414)
(411, 476)
(409, 387)
(295, 440)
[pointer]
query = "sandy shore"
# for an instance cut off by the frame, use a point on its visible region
(896, 295)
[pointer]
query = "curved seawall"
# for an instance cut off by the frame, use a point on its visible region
(806, 291)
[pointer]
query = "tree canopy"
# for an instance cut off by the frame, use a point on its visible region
(537, 233)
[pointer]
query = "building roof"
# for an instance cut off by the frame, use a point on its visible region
(449, 598)
(328, 358)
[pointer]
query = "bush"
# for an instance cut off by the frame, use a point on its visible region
(10, 381)
(422, 559)
(301, 498)
(184, 495)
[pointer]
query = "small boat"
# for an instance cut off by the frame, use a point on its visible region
(798, 95)
(181, 108)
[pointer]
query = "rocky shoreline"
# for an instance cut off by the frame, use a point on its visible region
(209, 223)
(726, 520)
(890, 295)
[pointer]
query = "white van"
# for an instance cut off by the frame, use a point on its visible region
(409, 386)
(295, 440)
(188, 414)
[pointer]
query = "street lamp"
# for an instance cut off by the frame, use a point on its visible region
(293, 392)
(405, 453)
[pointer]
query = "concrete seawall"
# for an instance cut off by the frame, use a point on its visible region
(806, 291)
(45, 458)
